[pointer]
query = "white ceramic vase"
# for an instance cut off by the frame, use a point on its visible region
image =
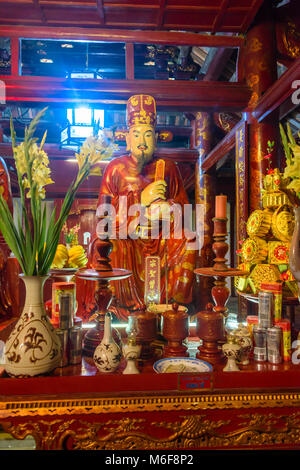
(131, 353)
(243, 339)
(33, 348)
(231, 351)
(107, 355)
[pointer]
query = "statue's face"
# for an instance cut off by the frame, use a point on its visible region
(141, 141)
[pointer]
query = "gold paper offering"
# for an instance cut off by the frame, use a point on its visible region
(259, 223)
(283, 223)
(263, 273)
(241, 282)
(273, 194)
(278, 252)
(254, 250)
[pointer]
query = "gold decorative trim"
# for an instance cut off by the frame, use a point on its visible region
(255, 430)
(87, 406)
(291, 38)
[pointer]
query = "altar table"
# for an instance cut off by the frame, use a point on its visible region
(77, 407)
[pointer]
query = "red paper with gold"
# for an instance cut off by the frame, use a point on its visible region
(152, 280)
(242, 180)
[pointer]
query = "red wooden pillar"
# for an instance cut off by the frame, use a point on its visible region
(205, 190)
(257, 65)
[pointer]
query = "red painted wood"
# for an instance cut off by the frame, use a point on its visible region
(183, 95)
(178, 38)
(15, 53)
(220, 150)
(217, 64)
(129, 50)
(278, 93)
(100, 11)
(219, 17)
(207, 15)
(70, 379)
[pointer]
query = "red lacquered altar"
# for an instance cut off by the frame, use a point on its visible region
(79, 408)
(233, 104)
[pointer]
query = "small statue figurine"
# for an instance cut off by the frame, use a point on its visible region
(231, 350)
(131, 350)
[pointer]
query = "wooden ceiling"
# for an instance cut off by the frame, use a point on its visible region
(231, 16)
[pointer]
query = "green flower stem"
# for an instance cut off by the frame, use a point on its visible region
(31, 240)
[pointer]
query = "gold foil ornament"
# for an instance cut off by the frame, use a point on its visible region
(259, 223)
(283, 223)
(254, 250)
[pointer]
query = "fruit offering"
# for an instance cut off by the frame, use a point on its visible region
(75, 257)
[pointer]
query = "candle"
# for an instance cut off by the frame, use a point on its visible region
(221, 207)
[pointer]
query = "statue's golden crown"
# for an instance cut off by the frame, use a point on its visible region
(141, 109)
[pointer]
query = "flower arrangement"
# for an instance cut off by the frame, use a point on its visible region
(71, 236)
(32, 240)
(268, 156)
(292, 170)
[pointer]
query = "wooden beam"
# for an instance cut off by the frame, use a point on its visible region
(40, 10)
(15, 57)
(221, 149)
(160, 19)
(217, 64)
(100, 11)
(183, 95)
(129, 51)
(178, 38)
(220, 15)
(278, 93)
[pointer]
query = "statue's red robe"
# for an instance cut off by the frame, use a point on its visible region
(122, 178)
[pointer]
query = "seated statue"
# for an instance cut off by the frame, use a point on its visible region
(131, 178)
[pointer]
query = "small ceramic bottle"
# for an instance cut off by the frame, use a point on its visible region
(107, 355)
(131, 350)
(243, 339)
(231, 350)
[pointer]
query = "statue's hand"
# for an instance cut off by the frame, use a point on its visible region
(153, 191)
(160, 210)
